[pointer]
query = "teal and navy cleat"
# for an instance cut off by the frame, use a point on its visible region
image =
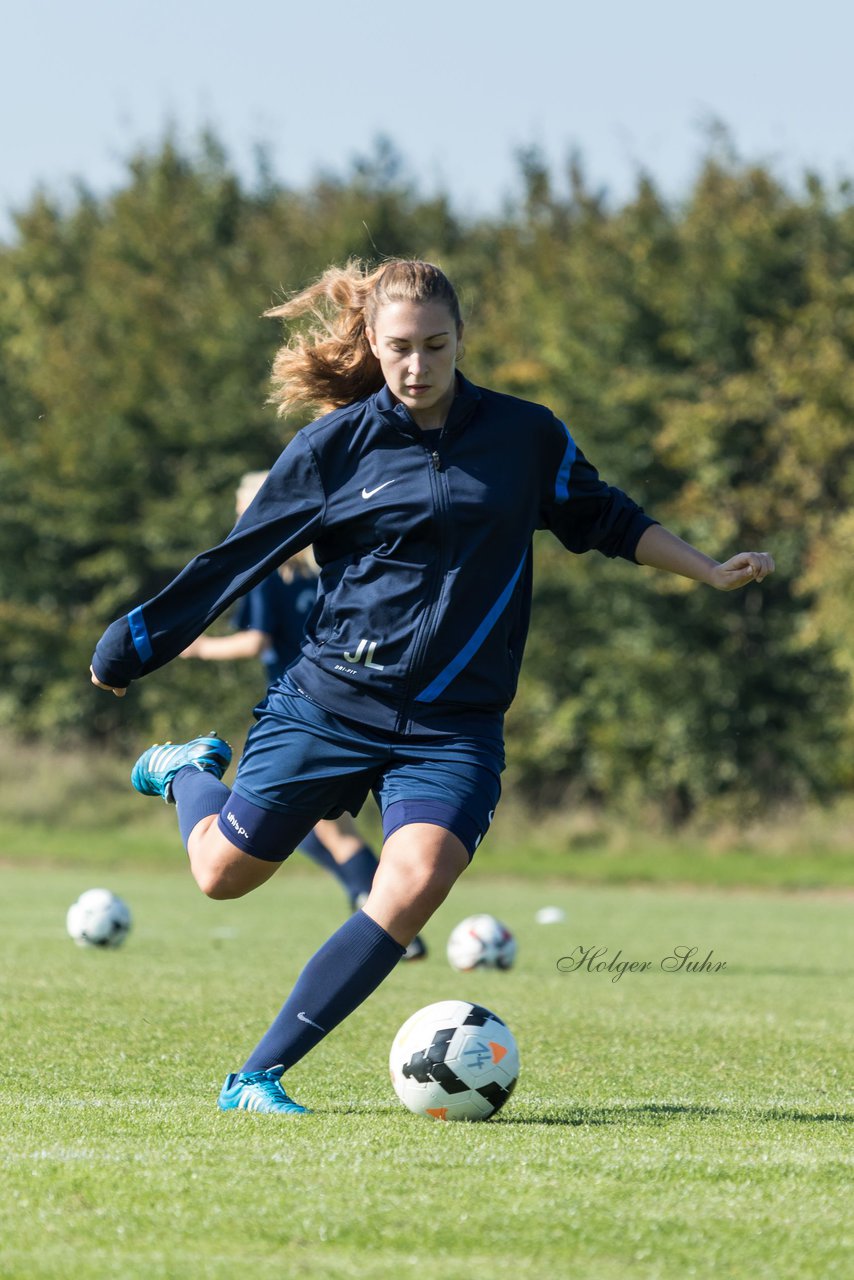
(258, 1091)
(154, 770)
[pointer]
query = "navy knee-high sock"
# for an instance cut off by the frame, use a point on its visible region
(355, 876)
(336, 980)
(357, 873)
(198, 795)
(314, 848)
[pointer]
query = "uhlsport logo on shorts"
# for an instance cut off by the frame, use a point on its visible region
(241, 831)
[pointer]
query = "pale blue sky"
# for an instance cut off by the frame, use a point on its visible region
(457, 84)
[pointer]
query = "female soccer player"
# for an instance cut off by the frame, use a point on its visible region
(420, 493)
(269, 625)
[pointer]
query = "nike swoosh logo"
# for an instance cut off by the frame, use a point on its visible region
(369, 493)
(303, 1017)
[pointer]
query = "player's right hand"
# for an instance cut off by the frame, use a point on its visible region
(120, 693)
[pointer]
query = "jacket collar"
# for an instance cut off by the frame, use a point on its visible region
(397, 415)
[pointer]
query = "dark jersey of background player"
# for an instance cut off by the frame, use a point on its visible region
(280, 609)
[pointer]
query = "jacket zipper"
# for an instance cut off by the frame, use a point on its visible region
(441, 507)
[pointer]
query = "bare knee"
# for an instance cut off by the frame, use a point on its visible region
(218, 884)
(431, 884)
(224, 871)
(213, 873)
(418, 868)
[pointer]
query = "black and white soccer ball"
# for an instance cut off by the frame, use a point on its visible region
(481, 942)
(454, 1061)
(98, 919)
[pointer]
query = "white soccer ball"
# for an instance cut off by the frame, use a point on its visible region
(98, 919)
(481, 942)
(550, 915)
(454, 1061)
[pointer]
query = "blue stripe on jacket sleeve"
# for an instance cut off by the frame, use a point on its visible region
(139, 635)
(562, 477)
(455, 666)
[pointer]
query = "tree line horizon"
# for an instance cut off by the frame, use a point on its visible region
(700, 352)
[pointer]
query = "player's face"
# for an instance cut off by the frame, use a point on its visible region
(416, 344)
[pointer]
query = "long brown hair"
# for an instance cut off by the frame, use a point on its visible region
(330, 363)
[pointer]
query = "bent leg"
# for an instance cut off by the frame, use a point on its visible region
(340, 837)
(220, 868)
(224, 867)
(418, 867)
(354, 861)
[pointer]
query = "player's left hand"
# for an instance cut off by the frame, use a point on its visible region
(746, 566)
(116, 689)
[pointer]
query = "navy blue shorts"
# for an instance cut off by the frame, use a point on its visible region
(301, 763)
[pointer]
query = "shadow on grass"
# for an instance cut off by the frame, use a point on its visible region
(658, 1113)
(649, 1113)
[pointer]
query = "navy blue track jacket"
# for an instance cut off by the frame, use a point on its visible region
(424, 545)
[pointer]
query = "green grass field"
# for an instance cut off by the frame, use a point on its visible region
(665, 1124)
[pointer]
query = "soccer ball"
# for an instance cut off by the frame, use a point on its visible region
(481, 942)
(98, 919)
(454, 1061)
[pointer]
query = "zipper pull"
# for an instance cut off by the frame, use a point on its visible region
(436, 460)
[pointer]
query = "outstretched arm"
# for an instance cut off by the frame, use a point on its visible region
(243, 644)
(661, 549)
(248, 643)
(287, 514)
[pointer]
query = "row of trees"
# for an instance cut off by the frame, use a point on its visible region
(701, 352)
